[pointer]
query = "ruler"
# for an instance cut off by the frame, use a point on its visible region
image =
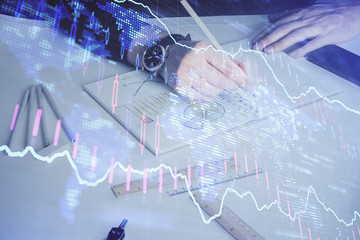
(153, 182)
(228, 220)
(225, 180)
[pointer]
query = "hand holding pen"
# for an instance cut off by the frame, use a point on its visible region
(203, 74)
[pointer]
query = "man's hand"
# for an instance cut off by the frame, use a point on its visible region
(323, 23)
(202, 74)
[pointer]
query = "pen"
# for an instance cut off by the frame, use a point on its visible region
(20, 114)
(32, 112)
(202, 26)
(58, 114)
(41, 102)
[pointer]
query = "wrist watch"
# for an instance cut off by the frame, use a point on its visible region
(154, 57)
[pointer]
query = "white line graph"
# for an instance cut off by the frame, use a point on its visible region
(275, 203)
(66, 154)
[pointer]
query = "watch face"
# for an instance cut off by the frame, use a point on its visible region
(154, 57)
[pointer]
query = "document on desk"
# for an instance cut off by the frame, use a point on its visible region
(161, 120)
(141, 99)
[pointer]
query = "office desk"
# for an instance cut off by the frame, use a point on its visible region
(45, 201)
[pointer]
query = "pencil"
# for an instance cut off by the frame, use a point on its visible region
(200, 23)
(19, 116)
(32, 114)
(41, 102)
(58, 114)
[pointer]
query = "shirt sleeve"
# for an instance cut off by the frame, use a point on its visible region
(105, 27)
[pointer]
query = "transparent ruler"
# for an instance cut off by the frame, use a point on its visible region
(228, 220)
(175, 186)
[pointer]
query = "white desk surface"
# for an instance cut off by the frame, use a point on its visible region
(34, 195)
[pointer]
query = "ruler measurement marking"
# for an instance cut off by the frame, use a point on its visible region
(228, 220)
(136, 186)
(214, 184)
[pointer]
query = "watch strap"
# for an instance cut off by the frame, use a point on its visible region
(168, 41)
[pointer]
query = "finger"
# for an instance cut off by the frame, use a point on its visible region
(216, 78)
(205, 88)
(309, 47)
(294, 37)
(240, 75)
(186, 89)
(235, 72)
(183, 85)
(295, 15)
(273, 27)
(261, 35)
(279, 33)
(226, 66)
